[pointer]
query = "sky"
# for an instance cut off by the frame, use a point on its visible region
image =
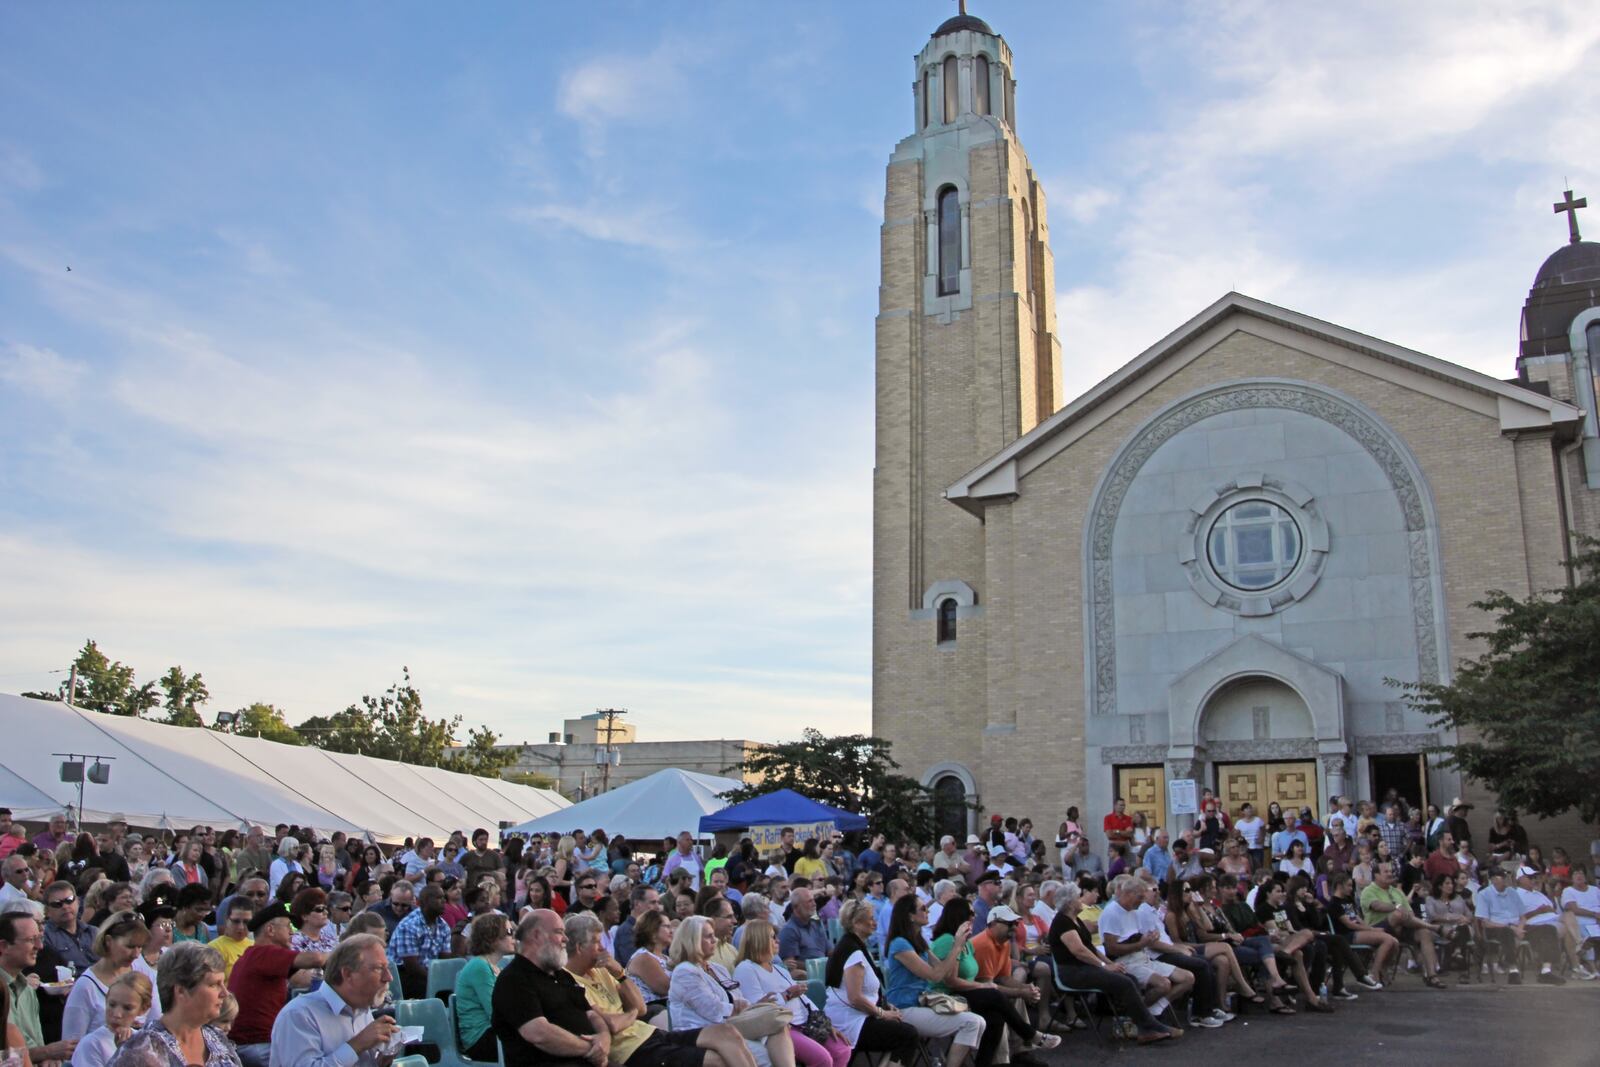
(529, 346)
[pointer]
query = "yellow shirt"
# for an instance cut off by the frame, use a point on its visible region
(231, 948)
(601, 989)
(806, 867)
(1090, 917)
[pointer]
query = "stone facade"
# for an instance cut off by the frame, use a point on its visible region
(1097, 622)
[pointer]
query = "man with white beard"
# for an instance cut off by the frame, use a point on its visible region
(539, 1011)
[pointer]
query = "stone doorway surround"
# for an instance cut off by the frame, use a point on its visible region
(1252, 656)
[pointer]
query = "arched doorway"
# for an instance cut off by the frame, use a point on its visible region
(1260, 741)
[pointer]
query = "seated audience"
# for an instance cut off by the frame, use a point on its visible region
(703, 993)
(910, 970)
(650, 968)
(118, 944)
(127, 1000)
(490, 938)
(759, 980)
(261, 981)
(190, 991)
(333, 1025)
(1080, 966)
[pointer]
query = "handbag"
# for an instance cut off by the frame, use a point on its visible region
(817, 1026)
(942, 1003)
(760, 1021)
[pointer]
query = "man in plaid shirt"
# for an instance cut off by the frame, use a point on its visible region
(418, 940)
(1393, 830)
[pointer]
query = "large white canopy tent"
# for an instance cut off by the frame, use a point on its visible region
(659, 805)
(174, 776)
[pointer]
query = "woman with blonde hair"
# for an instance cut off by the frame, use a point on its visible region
(703, 994)
(760, 981)
(117, 944)
(127, 999)
(564, 867)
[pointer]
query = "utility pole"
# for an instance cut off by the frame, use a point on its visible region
(609, 753)
(72, 685)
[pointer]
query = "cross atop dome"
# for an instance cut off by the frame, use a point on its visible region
(1569, 205)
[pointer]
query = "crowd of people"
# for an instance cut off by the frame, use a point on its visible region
(250, 949)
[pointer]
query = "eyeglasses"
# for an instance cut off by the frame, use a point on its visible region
(320, 908)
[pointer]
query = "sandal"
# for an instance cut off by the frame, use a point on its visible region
(1281, 1008)
(1257, 999)
(1433, 981)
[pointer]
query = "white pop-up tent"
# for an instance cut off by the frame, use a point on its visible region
(174, 776)
(660, 805)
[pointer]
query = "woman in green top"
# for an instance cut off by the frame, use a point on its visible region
(489, 938)
(984, 999)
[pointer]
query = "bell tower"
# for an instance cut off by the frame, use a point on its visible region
(968, 360)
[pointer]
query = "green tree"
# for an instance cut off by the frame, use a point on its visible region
(184, 695)
(394, 726)
(854, 772)
(263, 721)
(1528, 709)
(104, 685)
(480, 755)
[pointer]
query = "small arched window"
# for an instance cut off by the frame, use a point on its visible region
(949, 241)
(946, 634)
(980, 85)
(952, 89)
(927, 90)
(1011, 103)
(950, 806)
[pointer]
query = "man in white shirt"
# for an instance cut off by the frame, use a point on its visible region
(1344, 816)
(1044, 908)
(15, 870)
(1580, 905)
(1541, 925)
(1252, 826)
(1127, 942)
(333, 1026)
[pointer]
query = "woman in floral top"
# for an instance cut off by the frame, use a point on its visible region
(190, 981)
(313, 931)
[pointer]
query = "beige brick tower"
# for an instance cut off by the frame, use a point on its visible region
(967, 361)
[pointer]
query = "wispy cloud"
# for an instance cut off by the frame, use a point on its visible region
(39, 371)
(1289, 110)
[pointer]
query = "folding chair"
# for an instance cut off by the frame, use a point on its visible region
(438, 1029)
(442, 975)
(1083, 1000)
(455, 1029)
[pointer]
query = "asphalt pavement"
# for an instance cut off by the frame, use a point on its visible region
(1407, 1025)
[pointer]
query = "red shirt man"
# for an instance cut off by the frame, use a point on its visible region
(260, 980)
(1443, 859)
(1119, 824)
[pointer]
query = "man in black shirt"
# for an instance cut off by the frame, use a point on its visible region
(540, 1012)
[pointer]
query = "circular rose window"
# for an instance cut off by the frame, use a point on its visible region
(1253, 545)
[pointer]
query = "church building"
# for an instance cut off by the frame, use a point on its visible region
(1207, 566)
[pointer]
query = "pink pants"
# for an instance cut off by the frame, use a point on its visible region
(835, 1052)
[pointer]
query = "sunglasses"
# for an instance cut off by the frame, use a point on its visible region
(63, 902)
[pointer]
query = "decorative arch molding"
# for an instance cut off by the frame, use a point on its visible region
(966, 598)
(1385, 447)
(958, 771)
(1251, 656)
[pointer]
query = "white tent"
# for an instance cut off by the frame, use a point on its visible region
(661, 805)
(179, 776)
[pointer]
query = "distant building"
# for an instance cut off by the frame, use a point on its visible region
(570, 757)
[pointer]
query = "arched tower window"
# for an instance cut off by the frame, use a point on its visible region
(1011, 103)
(949, 241)
(927, 90)
(952, 89)
(946, 629)
(980, 85)
(950, 806)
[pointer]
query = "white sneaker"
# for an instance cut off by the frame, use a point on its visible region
(1210, 1022)
(1584, 973)
(1225, 1016)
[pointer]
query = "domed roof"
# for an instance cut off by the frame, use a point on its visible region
(1570, 264)
(963, 22)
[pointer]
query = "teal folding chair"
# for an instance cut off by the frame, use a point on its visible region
(396, 990)
(438, 1030)
(442, 975)
(455, 1031)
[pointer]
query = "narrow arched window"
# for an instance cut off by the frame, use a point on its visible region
(980, 85)
(947, 621)
(1027, 250)
(952, 89)
(927, 90)
(949, 241)
(1011, 103)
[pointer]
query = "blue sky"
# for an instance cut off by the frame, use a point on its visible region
(530, 346)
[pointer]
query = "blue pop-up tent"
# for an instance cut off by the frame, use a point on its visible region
(767, 814)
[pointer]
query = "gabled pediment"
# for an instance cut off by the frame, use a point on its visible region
(1516, 409)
